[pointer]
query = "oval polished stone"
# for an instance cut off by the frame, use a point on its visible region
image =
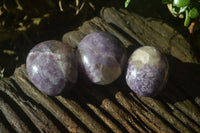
(52, 67)
(102, 57)
(147, 71)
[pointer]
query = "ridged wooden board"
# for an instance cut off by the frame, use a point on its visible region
(111, 108)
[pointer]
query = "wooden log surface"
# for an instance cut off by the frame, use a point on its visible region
(111, 108)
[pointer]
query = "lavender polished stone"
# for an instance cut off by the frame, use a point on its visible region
(147, 71)
(102, 57)
(52, 67)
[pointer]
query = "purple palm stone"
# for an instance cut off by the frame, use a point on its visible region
(102, 57)
(52, 67)
(147, 71)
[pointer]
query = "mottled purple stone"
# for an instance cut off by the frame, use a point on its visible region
(52, 67)
(147, 71)
(102, 57)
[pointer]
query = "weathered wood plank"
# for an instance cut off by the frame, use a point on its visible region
(26, 86)
(37, 116)
(13, 118)
(82, 114)
(3, 128)
(150, 32)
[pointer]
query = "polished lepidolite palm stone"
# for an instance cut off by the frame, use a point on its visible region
(52, 67)
(102, 57)
(147, 71)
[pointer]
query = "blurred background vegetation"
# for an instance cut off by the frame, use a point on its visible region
(24, 23)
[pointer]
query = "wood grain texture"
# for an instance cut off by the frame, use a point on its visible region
(111, 108)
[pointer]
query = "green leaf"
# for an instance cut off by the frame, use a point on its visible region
(182, 9)
(187, 19)
(181, 3)
(127, 3)
(194, 13)
(179, 10)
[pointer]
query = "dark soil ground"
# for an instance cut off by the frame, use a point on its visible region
(15, 42)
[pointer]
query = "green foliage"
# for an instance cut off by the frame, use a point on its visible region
(187, 19)
(127, 3)
(184, 8)
(194, 13)
(190, 9)
(181, 3)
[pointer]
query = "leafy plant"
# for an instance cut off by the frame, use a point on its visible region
(127, 3)
(188, 9)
